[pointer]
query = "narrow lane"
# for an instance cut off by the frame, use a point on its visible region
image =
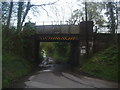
(57, 76)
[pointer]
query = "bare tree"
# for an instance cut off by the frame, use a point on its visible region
(26, 12)
(19, 14)
(21, 18)
(10, 13)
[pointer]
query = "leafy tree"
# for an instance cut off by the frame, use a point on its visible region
(62, 53)
(111, 14)
(94, 10)
(49, 47)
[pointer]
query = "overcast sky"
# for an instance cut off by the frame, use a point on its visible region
(60, 11)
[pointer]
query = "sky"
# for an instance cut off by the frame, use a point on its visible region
(60, 11)
(53, 14)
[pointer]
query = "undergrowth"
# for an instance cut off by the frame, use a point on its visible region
(13, 67)
(104, 64)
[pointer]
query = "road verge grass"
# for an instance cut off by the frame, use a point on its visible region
(103, 65)
(13, 67)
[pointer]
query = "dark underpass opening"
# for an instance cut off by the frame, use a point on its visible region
(59, 51)
(62, 52)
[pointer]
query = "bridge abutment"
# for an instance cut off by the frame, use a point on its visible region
(75, 54)
(37, 48)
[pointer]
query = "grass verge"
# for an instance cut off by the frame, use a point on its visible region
(13, 67)
(104, 65)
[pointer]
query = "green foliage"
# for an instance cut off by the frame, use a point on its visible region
(93, 14)
(111, 8)
(13, 67)
(18, 53)
(49, 47)
(104, 64)
(20, 43)
(62, 52)
(57, 50)
(41, 56)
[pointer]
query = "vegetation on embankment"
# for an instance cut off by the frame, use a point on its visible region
(103, 65)
(17, 53)
(14, 67)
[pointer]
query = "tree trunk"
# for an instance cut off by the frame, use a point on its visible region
(19, 16)
(26, 12)
(10, 13)
(112, 20)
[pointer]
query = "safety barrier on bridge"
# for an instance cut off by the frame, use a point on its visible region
(57, 37)
(54, 23)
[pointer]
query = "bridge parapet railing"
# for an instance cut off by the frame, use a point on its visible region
(54, 23)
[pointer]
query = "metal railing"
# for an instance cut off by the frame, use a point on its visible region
(54, 23)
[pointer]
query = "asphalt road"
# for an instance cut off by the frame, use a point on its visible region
(57, 76)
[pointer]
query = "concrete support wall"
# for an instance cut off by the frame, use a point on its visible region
(75, 53)
(37, 47)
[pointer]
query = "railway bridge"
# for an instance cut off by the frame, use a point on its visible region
(77, 35)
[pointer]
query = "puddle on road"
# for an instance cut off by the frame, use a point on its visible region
(48, 70)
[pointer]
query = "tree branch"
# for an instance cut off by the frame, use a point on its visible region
(45, 4)
(26, 12)
(29, 7)
(19, 15)
(10, 13)
(45, 10)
